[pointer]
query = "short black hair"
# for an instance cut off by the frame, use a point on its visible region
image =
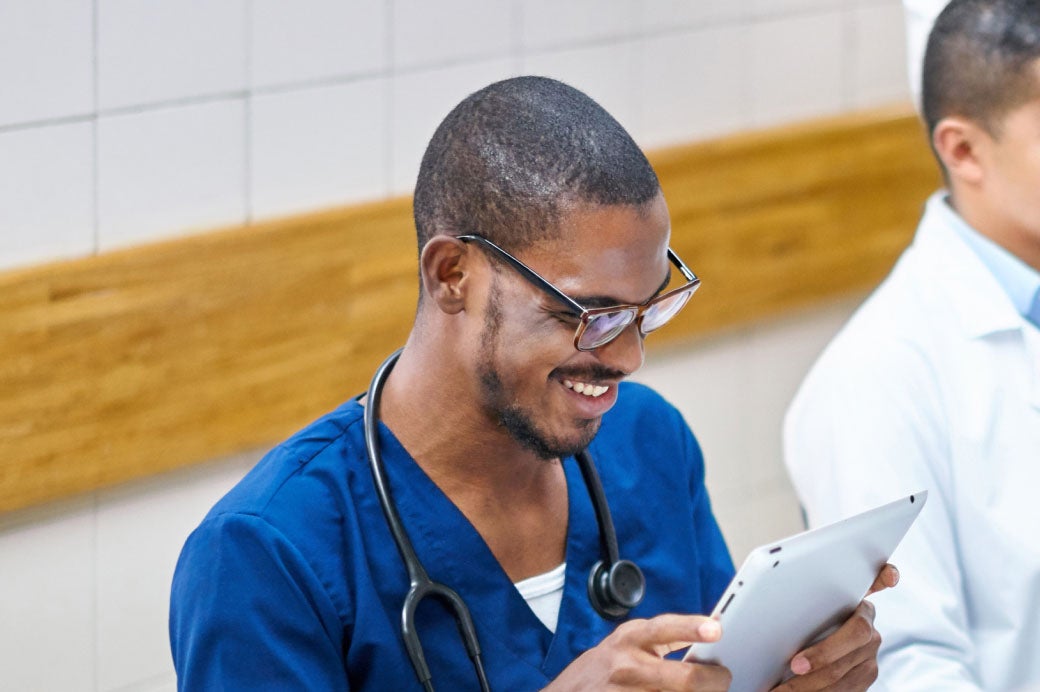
(980, 61)
(506, 159)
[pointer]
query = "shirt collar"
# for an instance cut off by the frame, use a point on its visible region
(971, 291)
(1020, 282)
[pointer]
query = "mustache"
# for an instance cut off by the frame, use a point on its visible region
(590, 374)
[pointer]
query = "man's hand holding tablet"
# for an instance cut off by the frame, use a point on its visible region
(630, 659)
(848, 655)
(794, 618)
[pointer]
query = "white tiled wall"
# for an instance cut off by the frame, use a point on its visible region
(779, 8)
(872, 69)
(46, 60)
(46, 192)
(136, 531)
(151, 52)
(786, 84)
(448, 32)
(165, 171)
(124, 121)
(48, 608)
(546, 24)
(711, 64)
(84, 585)
(308, 147)
(310, 41)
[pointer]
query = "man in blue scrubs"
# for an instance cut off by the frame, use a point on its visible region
(293, 580)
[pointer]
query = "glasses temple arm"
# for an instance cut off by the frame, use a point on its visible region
(577, 308)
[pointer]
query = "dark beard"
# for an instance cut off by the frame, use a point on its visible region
(509, 415)
(522, 429)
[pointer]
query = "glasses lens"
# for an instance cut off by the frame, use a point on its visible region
(604, 326)
(658, 314)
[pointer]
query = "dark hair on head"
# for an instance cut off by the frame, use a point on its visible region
(980, 61)
(507, 158)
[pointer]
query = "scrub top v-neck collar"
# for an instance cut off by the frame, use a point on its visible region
(454, 553)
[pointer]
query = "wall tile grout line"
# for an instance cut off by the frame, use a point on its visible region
(170, 104)
(95, 132)
(516, 19)
(318, 82)
(96, 213)
(247, 114)
(388, 97)
(300, 85)
(849, 58)
(96, 572)
(84, 117)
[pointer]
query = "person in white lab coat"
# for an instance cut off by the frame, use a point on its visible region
(935, 381)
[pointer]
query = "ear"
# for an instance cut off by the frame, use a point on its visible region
(445, 268)
(961, 145)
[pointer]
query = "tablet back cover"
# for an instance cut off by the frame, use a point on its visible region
(794, 591)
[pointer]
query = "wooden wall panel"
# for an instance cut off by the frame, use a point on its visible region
(140, 361)
(781, 219)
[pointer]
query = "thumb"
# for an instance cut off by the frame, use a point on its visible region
(704, 629)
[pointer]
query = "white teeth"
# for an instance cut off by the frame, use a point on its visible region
(586, 389)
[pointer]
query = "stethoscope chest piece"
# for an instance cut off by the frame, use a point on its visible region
(615, 589)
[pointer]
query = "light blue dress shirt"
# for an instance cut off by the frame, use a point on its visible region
(1020, 281)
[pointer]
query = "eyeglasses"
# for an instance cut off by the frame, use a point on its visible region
(599, 326)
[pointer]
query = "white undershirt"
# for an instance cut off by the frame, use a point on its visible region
(543, 593)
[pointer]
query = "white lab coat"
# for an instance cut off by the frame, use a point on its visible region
(935, 384)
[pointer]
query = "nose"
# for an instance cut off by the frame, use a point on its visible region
(625, 352)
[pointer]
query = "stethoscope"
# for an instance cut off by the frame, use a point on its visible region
(615, 586)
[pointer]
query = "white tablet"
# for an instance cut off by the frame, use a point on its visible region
(789, 593)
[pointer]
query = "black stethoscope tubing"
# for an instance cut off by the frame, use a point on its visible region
(615, 586)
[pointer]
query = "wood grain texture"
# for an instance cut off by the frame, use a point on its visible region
(136, 362)
(781, 219)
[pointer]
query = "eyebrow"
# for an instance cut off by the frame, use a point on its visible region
(607, 301)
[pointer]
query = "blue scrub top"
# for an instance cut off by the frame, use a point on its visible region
(293, 581)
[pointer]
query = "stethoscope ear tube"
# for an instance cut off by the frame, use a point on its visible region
(615, 586)
(421, 585)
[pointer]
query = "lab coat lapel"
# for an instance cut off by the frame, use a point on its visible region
(1031, 335)
(982, 306)
(962, 279)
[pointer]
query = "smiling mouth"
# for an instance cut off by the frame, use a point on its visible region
(586, 389)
